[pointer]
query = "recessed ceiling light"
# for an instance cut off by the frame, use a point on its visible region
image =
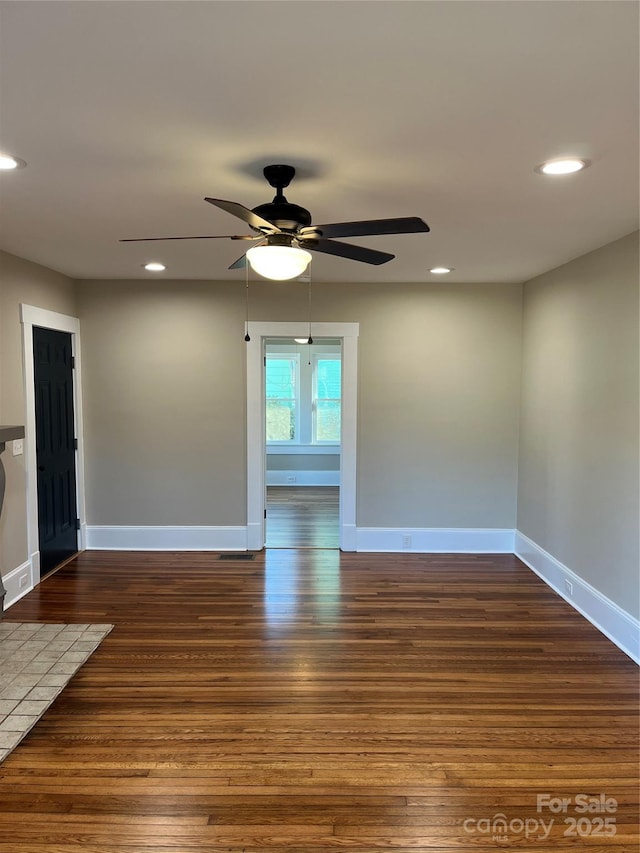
(562, 166)
(8, 162)
(154, 266)
(441, 270)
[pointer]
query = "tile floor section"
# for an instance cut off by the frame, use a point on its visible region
(37, 660)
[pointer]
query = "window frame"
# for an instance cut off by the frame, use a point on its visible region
(305, 401)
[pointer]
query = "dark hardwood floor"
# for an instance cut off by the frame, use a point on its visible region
(302, 517)
(312, 701)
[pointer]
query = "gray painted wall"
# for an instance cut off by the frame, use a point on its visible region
(163, 388)
(303, 462)
(164, 393)
(579, 477)
(21, 282)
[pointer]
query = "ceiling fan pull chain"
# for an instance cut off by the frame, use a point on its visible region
(310, 340)
(247, 336)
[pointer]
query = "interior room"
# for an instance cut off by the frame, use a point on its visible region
(337, 555)
(302, 416)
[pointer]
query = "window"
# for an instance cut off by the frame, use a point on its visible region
(326, 399)
(303, 394)
(282, 397)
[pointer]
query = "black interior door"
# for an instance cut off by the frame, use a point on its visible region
(55, 447)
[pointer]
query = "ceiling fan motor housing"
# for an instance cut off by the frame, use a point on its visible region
(287, 217)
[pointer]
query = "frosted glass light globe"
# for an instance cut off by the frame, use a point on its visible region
(278, 262)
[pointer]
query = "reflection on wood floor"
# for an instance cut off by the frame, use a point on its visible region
(302, 517)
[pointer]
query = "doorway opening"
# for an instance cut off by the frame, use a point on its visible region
(303, 401)
(346, 336)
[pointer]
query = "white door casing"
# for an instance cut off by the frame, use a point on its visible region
(31, 316)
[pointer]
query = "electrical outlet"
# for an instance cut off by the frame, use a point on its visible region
(291, 479)
(568, 587)
(18, 447)
(23, 580)
(406, 542)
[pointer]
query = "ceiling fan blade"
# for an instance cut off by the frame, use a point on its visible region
(245, 214)
(240, 264)
(204, 237)
(368, 227)
(346, 250)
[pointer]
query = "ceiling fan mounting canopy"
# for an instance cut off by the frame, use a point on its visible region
(279, 176)
(281, 222)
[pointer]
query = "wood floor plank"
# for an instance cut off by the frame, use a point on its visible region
(302, 517)
(308, 701)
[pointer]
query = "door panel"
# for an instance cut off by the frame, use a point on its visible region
(55, 447)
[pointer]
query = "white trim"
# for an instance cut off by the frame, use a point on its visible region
(434, 540)
(610, 619)
(275, 347)
(349, 540)
(165, 538)
(303, 478)
(12, 583)
(31, 316)
(348, 433)
(348, 333)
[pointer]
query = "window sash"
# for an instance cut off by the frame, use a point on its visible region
(292, 400)
(318, 401)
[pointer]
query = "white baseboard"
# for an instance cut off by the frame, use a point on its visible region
(303, 478)
(17, 583)
(161, 538)
(424, 540)
(610, 619)
(123, 538)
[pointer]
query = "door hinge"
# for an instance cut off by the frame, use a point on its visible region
(77, 524)
(75, 443)
(264, 360)
(73, 362)
(265, 513)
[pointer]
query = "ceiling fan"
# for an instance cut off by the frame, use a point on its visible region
(286, 233)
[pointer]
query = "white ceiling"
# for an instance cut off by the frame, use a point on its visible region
(129, 113)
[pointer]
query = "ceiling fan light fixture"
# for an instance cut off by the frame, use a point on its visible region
(279, 263)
